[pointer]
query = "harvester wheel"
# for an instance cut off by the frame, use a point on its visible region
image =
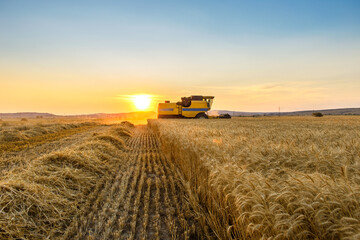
(202, 116)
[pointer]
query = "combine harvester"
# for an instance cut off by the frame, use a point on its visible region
(189, 107)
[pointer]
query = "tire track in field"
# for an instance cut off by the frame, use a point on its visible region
(144, 200)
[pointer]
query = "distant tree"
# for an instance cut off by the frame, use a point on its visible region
(226, 115)
(317, 114)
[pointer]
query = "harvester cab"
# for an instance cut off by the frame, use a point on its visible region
(189, 107)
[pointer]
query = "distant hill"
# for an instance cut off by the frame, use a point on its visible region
(146, 115)
(339, 111)
(131, 115)
(26, 115)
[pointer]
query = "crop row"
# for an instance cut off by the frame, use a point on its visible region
(143, 201)
(281, 178)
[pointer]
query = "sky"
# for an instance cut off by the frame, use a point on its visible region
(72, 57)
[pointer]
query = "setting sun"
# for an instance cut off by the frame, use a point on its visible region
(142, 102)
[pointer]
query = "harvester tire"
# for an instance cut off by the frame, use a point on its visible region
(202, 116)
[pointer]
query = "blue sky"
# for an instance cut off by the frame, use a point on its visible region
(252, 55)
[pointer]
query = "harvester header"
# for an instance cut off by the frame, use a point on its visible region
(194, 106)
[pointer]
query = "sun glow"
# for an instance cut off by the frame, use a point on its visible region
(142, 102)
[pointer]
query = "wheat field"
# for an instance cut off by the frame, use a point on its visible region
(43, 184)
(241, 178)
(270, 177)
(89, 180)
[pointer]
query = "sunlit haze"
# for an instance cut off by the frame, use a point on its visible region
(142, 102)
(71, 57)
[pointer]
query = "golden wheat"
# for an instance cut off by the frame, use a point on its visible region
(281, 178)
(244, 178)
(39, 198)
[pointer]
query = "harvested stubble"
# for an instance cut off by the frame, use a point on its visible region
(144, 200)
(127, 124)
(18, 138)
(5, 124)
(39, 201)
(280, 178)
(25, 132)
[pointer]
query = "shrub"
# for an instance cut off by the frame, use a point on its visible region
(317, 114)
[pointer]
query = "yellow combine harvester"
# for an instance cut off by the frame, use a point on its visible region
(189, 107)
